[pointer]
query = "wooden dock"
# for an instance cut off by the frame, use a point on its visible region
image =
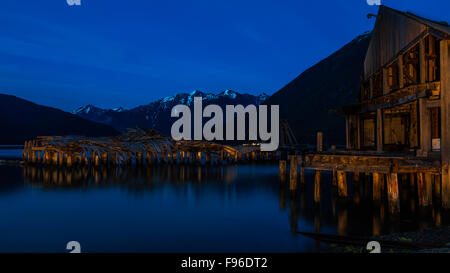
(381, 170)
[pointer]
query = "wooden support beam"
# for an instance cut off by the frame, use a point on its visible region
(379, 129)
(334, 179)
(393, 195)
(445, 121)
(424, 189)
(425, 128)
(401, 80)
(355, 177)
(61, 158)
(342, 184)
(302, 175)
(437, 187)
(376, 188)
(317, 179)
(422, 61)
(319, 141)
(69, 160)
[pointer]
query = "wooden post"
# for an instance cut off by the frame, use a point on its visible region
(199, 157)
(437, 187)
(342, 184)
(334, 179)
(319, 141)
(422, 61)
(302, 175)
(33, 156)
(283, 170)
(424, 189)
(138, 158)
(425, 129)
(317, 178)
(54, 158)
(445, 121)
(69, 160)
(61, 158)
(393, 196)
(401, 80)
(105, 158)
(376, 188)
(379, 130)
(96, 159)
(293, 173)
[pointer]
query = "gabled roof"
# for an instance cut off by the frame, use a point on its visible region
(393, 31)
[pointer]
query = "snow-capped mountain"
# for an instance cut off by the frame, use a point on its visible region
(156, 115)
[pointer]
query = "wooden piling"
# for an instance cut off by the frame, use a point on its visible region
(69, 160)
(319, 141)
(334, 179)
(293, 173)
(376, 188)
(283, 170)
(393, 196)
(437, 187)
(317, 178)
(424, 189)
(342, 184)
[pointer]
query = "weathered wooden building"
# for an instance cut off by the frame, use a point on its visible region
(404, 99)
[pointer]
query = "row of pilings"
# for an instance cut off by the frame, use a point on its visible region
(32, 155)
(384, 186)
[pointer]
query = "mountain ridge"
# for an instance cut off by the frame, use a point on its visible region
(156, 114)
(23, 120)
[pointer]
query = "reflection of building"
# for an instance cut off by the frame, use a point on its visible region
(404, 99)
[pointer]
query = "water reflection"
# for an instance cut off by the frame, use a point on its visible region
(146, 176)
(238, 207)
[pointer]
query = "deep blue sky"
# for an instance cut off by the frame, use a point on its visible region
(130, 52)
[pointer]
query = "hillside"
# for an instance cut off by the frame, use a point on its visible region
(22, 120)
(307, 100)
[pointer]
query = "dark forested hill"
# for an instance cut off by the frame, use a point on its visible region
(22, 120)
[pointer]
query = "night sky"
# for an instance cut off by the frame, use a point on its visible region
(129, 52)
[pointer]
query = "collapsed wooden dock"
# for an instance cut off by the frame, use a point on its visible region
(138, 147)
(381, 170)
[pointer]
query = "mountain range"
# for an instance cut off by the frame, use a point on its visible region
(156, 115)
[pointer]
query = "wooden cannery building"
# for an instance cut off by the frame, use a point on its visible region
(404, 100)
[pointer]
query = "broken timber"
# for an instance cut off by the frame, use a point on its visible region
(136, 147)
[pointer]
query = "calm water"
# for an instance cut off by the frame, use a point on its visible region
(174, 208)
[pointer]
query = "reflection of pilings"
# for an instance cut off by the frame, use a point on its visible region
(293, 215)
(282, 170)
(84, 175)
(342, 220)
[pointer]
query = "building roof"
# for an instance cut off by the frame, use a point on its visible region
(393, 32)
